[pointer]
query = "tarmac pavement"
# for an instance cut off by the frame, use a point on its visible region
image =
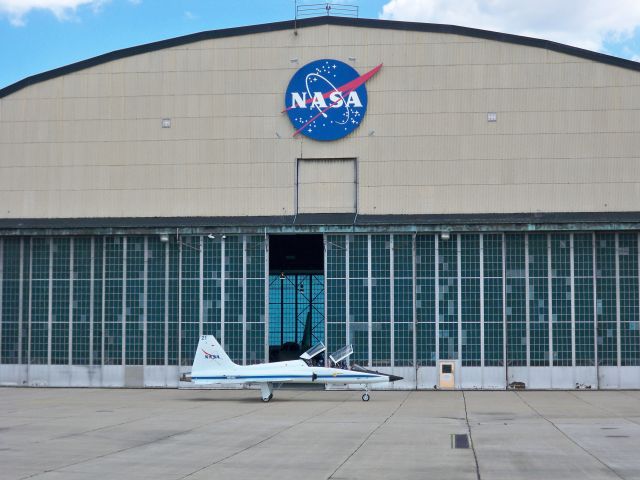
(230, 434)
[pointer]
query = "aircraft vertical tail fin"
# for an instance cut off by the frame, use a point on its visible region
(210, 357)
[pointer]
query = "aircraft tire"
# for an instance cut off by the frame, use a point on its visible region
(365, 397)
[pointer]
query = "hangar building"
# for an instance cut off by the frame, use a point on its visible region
(480, 226)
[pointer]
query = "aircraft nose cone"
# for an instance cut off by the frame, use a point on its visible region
(394, 378)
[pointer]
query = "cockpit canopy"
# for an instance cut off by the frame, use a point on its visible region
(313, 351)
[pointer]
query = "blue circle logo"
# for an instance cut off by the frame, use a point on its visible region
(327, 99)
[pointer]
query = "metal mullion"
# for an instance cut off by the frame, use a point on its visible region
(437, 295)
(573, 300)
(595, 307)
(266, 297)
(392, 299)
(244, 299)
(347, 303)
(505, 338)
(414, 306)
(30, 301)
(222, 290)
(167, 260)
(201, 288)
(145, 284)
(526, 307)
(326, 329)
(638, 273)
(482, 308)
(50, 303)
(71, 275)
(619, 346)
(21, 301)
(459, 273)
(91, 299)
(369, 300)
(104, 295)
(124, 301)
(180, 304)
(550, 300)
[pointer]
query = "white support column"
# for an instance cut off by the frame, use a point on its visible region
(437, 295)
(505, 329)
(527, 296)
(346, 282)
(145, 290)
(124, 300)
(370, 300)
(326, 331)
(244, 299)
(180, 303)
(595, 307)
(459, 274)
(71, 275)
(50, 303)
(266, 297)
(414, 305)
(392, 300)
(201, 288)
(104, 295)
(29, 301)
(92, 273)
(20, 301)
(618, 353)
(572, 273)
(550, 302)
(1, 288)
(222, 291)
(167, 260)
(482, 309)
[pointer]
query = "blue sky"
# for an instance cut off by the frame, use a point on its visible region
(64, 31)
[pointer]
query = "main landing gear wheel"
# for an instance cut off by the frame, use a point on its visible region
(267, 399)
(365, 397)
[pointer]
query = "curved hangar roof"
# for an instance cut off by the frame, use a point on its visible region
(324, 20)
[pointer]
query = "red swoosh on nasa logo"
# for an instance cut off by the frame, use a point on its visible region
(347, 87)
(205, 352)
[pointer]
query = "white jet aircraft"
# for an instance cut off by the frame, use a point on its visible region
(212, 365)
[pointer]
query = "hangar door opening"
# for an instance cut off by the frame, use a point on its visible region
(296, 295)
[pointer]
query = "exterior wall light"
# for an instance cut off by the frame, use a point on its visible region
(164, 238)
(445, 236)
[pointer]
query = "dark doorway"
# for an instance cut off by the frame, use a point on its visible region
(296, 295)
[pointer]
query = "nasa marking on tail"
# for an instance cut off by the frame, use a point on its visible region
(327, 99)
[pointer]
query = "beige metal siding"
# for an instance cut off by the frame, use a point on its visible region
(326, 186)
(90, 143)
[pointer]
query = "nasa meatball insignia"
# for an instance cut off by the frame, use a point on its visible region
(327, 99)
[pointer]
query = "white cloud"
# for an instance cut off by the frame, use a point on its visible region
(582, 23)
(16, 10)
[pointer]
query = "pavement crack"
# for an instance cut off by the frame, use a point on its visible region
(115, 452)
(369, 436)
(610, 412)
(262, 441)
(568, 437)
(473, 448)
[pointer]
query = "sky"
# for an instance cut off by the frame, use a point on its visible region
(39, 35)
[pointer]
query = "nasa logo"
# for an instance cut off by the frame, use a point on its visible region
(327, 99)
(210, 356)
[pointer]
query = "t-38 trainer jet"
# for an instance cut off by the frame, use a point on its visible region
(212, 365)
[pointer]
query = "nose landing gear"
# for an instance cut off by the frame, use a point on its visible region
(365, 397)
